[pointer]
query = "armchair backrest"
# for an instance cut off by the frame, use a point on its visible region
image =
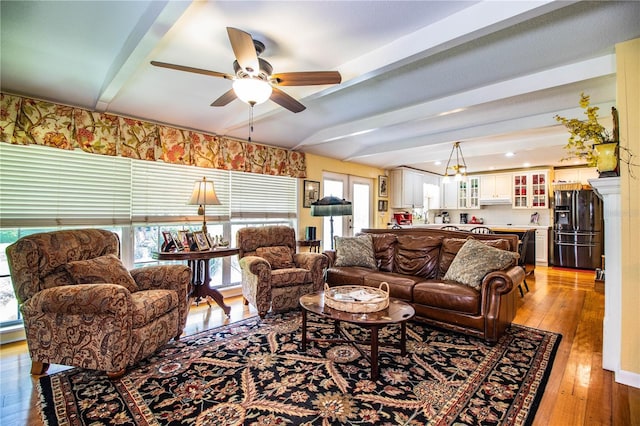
(249, 239)
(36, 262)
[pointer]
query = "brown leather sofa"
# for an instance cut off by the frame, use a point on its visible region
(414, 262)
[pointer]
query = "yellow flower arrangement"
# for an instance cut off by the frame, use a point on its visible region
(584, 134)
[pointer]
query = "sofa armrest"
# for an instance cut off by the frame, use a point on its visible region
(502, 281)
(497, 283)
(81, 299)
(331, 256)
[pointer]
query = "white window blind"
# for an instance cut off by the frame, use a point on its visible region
(42, 186)
(256, 196)
(161, 192)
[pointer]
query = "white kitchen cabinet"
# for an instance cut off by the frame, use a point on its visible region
(575, 174)
(495, 187)
(469, 193)
(449, 197)
(407, 189)
(530, 190)
(542, 247)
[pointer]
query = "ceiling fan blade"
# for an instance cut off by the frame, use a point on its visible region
(191, 69)
(244, 49)
(308, 78)
(286, 101)
(225, 99)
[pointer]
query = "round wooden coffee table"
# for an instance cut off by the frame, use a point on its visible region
(398, 312)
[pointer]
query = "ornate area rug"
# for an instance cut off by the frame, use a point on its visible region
(254, 373)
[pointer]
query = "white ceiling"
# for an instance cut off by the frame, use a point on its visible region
(417, 75)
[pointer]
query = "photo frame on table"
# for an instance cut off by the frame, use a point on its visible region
(383, 186)
(310, 193)
(201, 240)
(168, 244)
(177, 241)
(383, 205)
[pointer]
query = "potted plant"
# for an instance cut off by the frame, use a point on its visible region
(590, 141)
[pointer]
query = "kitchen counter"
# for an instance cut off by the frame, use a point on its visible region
(497, 227)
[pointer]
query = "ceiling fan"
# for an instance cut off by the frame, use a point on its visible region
(253, 81)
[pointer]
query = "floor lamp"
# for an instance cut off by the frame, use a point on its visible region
(331, 206)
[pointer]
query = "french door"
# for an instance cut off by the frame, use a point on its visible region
(356, 189)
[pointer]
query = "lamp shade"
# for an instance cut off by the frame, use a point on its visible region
(204, 193)
(331, 206)
(252, 90)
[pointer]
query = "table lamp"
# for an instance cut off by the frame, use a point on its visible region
(203, 195)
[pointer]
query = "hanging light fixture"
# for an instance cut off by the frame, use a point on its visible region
(252, 90)
(459, 170)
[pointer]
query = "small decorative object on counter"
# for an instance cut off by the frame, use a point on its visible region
(535, 217)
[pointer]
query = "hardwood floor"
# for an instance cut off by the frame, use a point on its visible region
(579, 391)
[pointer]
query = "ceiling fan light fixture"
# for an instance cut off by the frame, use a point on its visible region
(253, 91)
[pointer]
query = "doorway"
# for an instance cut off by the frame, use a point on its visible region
(356, 189)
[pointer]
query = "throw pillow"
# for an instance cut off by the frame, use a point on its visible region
(104, 269)
(279, 257)
(355, 251)
(475, 260)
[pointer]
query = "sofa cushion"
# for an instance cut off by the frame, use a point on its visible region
(355, 251)
(475, 260)
(346, 275)
(279, 257)
(400, 285)
(384, 248)
(451, 247)
(417, 255)
(447, 295)
(103, 269)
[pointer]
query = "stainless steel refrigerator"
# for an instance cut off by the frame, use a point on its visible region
(578, 240)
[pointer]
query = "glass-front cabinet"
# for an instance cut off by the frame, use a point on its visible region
(469, 193)
(531, 190)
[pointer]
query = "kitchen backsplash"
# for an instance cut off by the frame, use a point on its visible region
(496, 215)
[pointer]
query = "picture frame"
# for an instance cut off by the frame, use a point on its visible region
(383, 186)
(310, 193)
(177, 242)
(201, 240)
(168, 244)
(383, 205)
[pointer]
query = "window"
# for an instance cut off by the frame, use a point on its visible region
(43, 189)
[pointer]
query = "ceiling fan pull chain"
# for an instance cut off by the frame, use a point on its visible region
(251, 120)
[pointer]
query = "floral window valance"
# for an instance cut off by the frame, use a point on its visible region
(26, 121)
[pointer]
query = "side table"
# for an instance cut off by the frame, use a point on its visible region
(198, 261)
(314, 245)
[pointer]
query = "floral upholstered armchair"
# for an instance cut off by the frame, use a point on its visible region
(274, 276)
(82, 308)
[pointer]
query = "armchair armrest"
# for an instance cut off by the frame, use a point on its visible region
(170, 277)
(310, 261)
(81, 299)
(256, 266)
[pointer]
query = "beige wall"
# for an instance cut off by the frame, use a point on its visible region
(628, 105)
(316, 165)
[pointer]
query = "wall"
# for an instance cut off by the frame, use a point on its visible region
(316, 165)
(628, 105)
(502, 214)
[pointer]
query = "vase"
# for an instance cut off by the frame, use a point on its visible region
(607, 159)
